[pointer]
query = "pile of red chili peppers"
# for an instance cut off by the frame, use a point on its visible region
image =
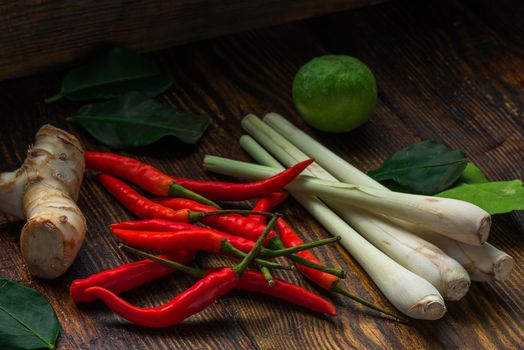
(169, 227)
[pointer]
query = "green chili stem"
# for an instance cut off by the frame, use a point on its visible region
(227, 247)
(286, 251)
(327, 269)
(197, 273)
(175, 190)
(242, 266)
(267, 275)
(339, 288)
(277, 243)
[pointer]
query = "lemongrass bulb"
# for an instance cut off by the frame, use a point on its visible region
(408, 292)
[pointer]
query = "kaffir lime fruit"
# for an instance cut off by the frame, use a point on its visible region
(334, 93)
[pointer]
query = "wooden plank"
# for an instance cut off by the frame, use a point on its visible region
(39, 35)
(449, 70)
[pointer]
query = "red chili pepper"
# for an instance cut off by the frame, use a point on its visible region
(231, 223)
(196, 298)
(208, 240)
(159, 225)
(154, 225)
(127, 276)
(140, 272)
(143, 175)
(138, 204)
(145, 208)
(324, 280)
(267, 204)
(241, 226)
(291, 239)
(193, 300)
(205, 239)
(228, 191)
(255, 282)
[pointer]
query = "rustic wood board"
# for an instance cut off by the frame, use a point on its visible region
(37, 35)
(452, 70)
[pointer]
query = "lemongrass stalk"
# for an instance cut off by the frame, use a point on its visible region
(409, 293)
(402, 206)
(483, 263)
(453, 218)
(249, 171)
(412, 252)
(330, 161)
(456, 219)
(315, 205)
(386, 273)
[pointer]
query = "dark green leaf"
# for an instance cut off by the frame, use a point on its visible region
(111, 75)
(494, 197)
(135, 120)
(427, 167)
(472, 174)
(27, 321)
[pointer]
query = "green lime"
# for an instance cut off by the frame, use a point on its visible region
(334, 93)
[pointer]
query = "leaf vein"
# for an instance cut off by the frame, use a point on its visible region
(23, 324)
(396, 170)
(107, 82)
(130, 122)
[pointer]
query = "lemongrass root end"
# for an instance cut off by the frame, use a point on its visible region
(457, 289)
(503, 267)
(430, 307)
(485, 226)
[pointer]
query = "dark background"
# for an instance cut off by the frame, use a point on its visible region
(451, 70)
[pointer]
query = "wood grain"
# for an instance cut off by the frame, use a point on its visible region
(38, 35)
(451, 70)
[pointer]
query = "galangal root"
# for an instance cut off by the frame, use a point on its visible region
(43, 191)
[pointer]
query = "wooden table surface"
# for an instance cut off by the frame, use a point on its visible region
(452, 70)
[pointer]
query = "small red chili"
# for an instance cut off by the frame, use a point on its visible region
(160, 225)
(255, 282)
(145, 208)
(267, 204)
(228, 191)
(154, 225)
(324, 280)
(289, 238)
(137, 273)
(208, 240)
(143, 175)
(198, 238)
(195, 299)
(138, 204)
(231, 223)
(241, 226)
(127, 276)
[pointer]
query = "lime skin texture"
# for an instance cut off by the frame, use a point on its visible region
(335, 93)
